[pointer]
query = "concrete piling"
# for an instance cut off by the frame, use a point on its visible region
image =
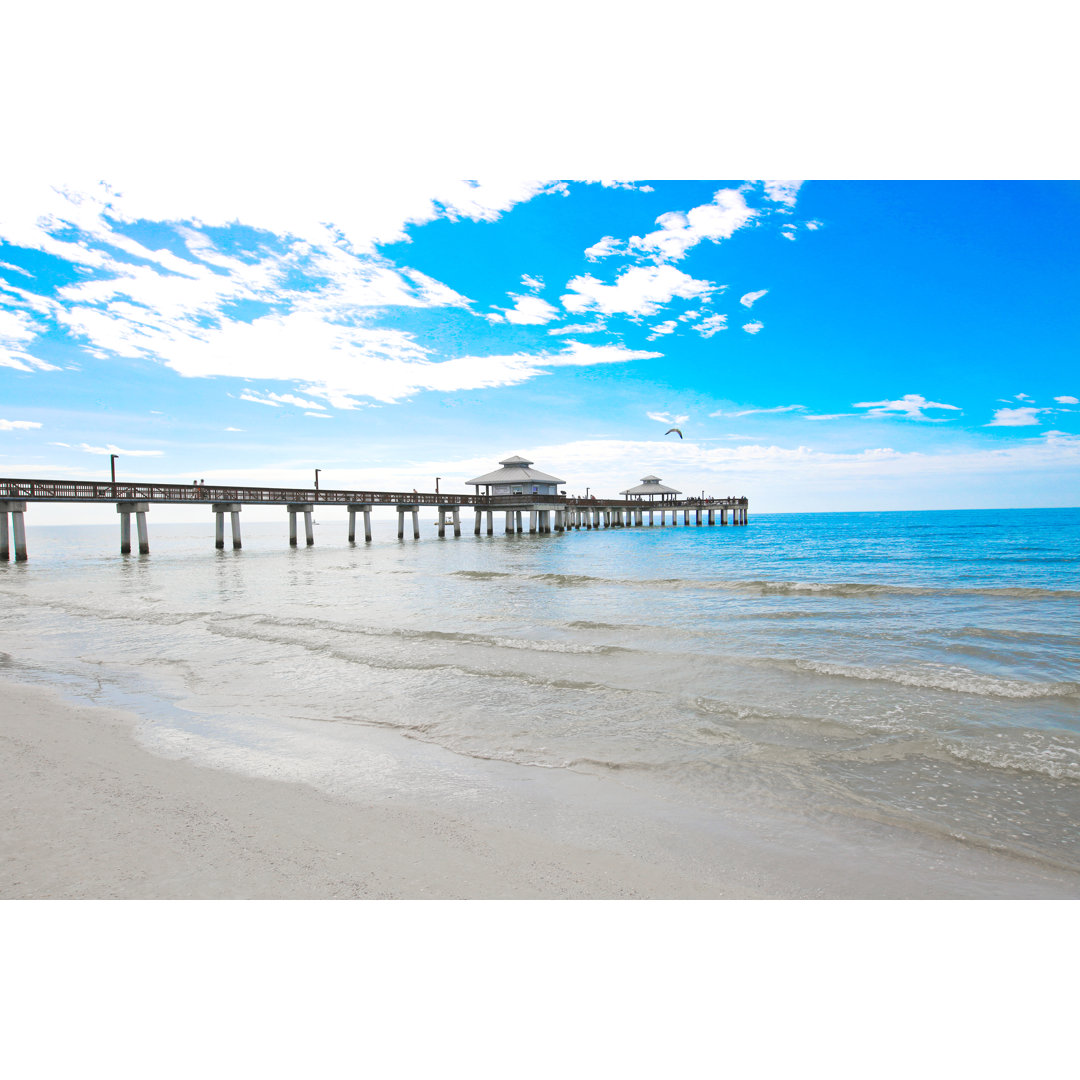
(359, 508)
(16, 508)
(307, 509)
(233, 510)
(125, 510)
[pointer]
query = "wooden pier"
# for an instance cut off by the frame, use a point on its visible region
(541, 513)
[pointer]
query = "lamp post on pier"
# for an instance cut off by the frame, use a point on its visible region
(112, 471)
(437, 479)
(317, 471)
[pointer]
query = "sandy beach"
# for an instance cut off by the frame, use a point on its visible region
(88, 813)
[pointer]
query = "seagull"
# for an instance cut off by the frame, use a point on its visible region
(676, 430)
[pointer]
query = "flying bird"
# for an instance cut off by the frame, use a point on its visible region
(676, 430)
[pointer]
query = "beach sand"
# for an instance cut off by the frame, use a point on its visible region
(88, 813)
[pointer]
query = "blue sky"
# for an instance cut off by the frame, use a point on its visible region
(821, 344)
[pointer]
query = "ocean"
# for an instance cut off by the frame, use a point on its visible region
(918, 671)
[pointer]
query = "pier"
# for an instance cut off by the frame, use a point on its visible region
(517, 512)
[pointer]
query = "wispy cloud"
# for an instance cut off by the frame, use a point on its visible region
(603, 248)
(748, 299)
(782, 191)
(679, 232)
(110, 449)
(529, 311)
(660, 329)
(1025, 416)
(711, 325)
(580, 328)
(667, 418)
(268, 398)
(753, 327)
(1067, 399)
(531, 282)
(754, 412)
(641, 290)
(18, 425)
(910, 406)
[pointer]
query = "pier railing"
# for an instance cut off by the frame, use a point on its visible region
(98, 491)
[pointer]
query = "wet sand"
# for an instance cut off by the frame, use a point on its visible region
(88, 813)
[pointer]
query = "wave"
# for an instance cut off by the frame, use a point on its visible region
(765, 587)
(939, 677)
(496, 641)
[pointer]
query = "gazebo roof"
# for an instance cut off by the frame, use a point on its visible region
(515, 470)
(650, 485)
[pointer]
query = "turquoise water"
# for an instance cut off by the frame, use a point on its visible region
(920, 670)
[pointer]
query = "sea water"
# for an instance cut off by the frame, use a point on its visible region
(916, 670)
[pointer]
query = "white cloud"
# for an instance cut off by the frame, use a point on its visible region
(753, 327)
(531, 282)
(813, 226)
(660, 329)
(17, 332)
(750, 297)
(667, 418)
(235, 429)
(1023, 397)
(679, 232)
(713, 324)
(910, 406)
(319, 415)
(18, 425)
(788, 231)
(530, 311)
(608, 464)
(110, 449)
(580, 328)
(268, 398)
(1025, 416)
(753, 412)
(602, 248)
(782, 191)
(1068, 400)
(641, 290)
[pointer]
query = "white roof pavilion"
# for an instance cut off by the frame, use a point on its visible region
(650, 487)
(515, 470)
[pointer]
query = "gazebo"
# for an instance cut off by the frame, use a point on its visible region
(649, 488)
(516, 477)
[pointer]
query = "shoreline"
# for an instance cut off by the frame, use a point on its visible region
(91, 813)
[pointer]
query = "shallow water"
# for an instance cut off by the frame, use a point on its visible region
(915, 669)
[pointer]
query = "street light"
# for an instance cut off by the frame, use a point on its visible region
(317, 471)
(112, 466)
(437, 479)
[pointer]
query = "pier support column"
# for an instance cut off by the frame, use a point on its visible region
(532, 520)
(457, 520)
(442, 523)
(402, 510)
(125, 510)
(479, 518)
(490, 523)
(16, 508)
(307, 509)
(220, 510)
(560, 524)
(517, 521)
(359, 508)
(509, 522)
(711, 519)
(697, 517)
